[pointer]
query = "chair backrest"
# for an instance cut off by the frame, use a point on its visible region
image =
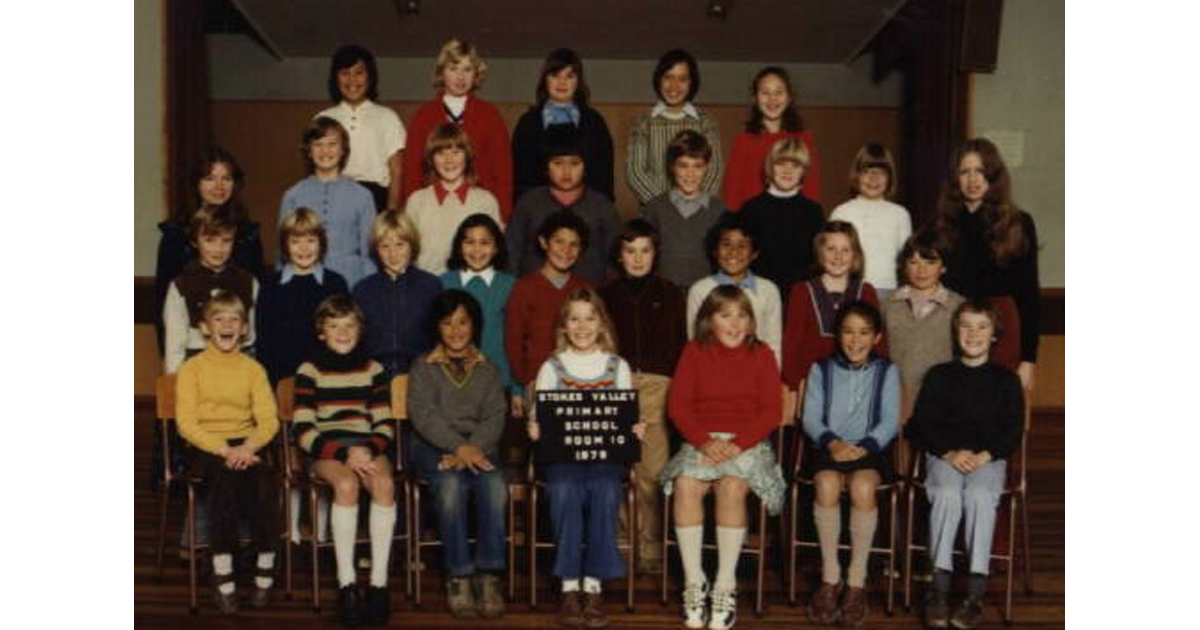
(164, 412)
(285, 405)
(164, 396)
(400, 397)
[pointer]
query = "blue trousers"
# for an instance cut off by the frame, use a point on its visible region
(452, 490)
(585, 501)
(969, 498)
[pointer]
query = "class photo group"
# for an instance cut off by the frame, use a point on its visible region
(792, 363)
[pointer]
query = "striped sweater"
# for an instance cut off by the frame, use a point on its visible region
(646, 169)
(342, 401)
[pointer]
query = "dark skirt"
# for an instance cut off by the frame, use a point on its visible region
(818, 459)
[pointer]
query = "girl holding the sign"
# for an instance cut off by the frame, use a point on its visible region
(725, 399)
(584, 497)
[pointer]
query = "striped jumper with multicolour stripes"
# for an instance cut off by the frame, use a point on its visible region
(342, 401)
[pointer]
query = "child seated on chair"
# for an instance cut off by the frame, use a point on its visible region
(343, 423)
(726, 399)
(457, 406)
(585, 497)
(851, 411)
(968, 420)
(226, 414)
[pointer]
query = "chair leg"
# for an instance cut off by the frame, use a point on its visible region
(910, 507)
(512, 547)
(416, 566)
(790, 543)
(666, 528)
(891, 554)
(162, 528)
(632, 534)
(762, 560)
(1012, 556)
(193, 603)
(287, 539)
(1027, 563)
(531, 512)
(314, 541)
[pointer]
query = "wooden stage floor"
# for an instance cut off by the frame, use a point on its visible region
(165, 605)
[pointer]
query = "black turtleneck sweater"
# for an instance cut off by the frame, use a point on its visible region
(783, 230)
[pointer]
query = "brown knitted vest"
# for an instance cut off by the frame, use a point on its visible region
(197, 283)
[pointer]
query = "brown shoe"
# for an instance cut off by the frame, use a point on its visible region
(854, 606)
(824, 605)
(488, 598)
(460, 599)
(593, 611)
(570, 611)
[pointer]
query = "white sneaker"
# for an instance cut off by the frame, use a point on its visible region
(724, 610)
(694, 599)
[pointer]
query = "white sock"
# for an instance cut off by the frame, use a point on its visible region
(223, 568)
(382, 524)
(294, 516)
(344, 521)
(691, 547)
(729, 548)
(591, 585)
(862, 534)
(266, 561)
(570, 585)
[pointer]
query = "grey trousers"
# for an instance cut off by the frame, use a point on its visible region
(971, 498)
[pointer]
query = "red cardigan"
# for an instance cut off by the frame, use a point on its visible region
(744, 169)
(805, 340)
(489, 142)
(733, 390)
(529, 322)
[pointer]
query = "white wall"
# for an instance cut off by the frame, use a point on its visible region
(1024, 100)
(150, 165)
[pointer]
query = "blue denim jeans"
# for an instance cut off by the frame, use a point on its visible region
(451, 495)
(585, 500)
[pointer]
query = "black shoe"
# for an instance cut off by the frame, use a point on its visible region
(349, 606)
(968, 613)
(379, 605)
(227, 604)
(936, 610)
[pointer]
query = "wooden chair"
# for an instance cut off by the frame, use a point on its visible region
(297, 476)
(1013, 499)
(796, 540)
(418, 485)
(173, 473)
(756, 540)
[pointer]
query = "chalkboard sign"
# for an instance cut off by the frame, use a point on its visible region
(587, 426)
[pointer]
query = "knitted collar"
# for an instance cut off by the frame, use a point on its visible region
(327, 360)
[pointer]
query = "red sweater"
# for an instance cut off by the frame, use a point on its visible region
(809, 337)
(731, 390)
(744, 170)
(529, 322)
(489, 143)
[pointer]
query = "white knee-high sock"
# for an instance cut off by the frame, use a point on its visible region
(223, 568)
(266, 561)
(729, 549)
(691, 542)
(829, 527)
(382, 523)
(344, 523)
(862, 534)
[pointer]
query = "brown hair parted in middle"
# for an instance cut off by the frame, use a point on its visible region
(335, 306)
(716, 301)
(839, 227)
(211, 220)
(606, 339)
(1001, 217)
(687, 143)
(447, 136)
(873, 155)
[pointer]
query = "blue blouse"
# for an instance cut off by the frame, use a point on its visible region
(347, 209)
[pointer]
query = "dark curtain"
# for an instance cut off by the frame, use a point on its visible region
(188, 126)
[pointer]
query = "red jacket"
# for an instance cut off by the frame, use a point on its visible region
(530, 320)
(806, 339)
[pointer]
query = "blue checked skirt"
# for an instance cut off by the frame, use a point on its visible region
(756, 465)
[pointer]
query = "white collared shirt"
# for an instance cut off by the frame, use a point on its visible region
(376, 134)
(487, 275)
(689, 110)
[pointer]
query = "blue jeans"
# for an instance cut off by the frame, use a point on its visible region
(451, 492)
(584, 503)
(971, 499)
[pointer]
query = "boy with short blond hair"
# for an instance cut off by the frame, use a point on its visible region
(226, 413)
(211, 231)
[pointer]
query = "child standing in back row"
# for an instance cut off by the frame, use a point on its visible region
(883, 226)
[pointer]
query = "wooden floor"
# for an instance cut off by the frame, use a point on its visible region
(164, 605)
